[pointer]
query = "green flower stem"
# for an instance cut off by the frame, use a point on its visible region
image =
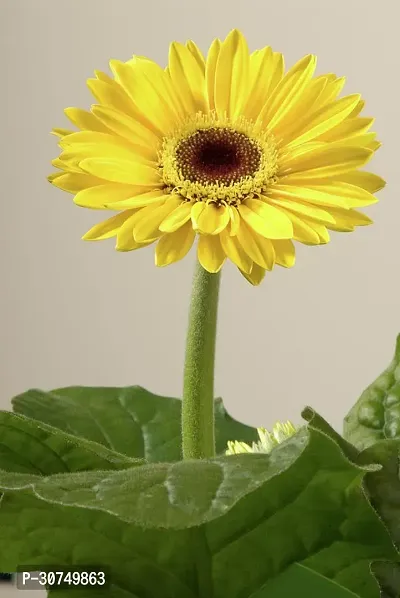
(198, 434)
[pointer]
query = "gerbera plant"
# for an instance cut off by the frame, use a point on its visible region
(169, 498)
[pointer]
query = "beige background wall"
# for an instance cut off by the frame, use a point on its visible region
(79, 313)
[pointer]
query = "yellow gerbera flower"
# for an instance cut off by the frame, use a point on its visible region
(267, 440)
(225, 147)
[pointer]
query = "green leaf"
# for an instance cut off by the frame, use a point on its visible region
(30, 446)
(143, 563)
(313, 514)
(383, 486)
(249, 518)
(319, 423)
(164, 495)
(298, 580)
(376, 415)
(388, 575)
(383, 489)
(128, 420)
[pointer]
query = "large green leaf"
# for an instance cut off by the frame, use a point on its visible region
(129, 420)
(142, 564)
(308, 517)
(169, 495)
(249, 518)
(30, 446)
(383, 488)
(376, 415)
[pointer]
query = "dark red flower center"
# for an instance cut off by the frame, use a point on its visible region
(217, 155)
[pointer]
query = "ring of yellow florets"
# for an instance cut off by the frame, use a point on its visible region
(215, 159)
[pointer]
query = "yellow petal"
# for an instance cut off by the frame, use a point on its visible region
(73, 156)
(128, 128)
(336, 194)
(210, 253)
(97, 197)
(328, 162)
(187, 76)
(61, 132)
(235, 220)
(111, 94)
(100, 145)
(345, 221)
(84, 120)
(235, 252)
(359, 108)
(122, 171)
(213, 219)
(177, 218)
(146, 226)
(211, 64)
(231, 75)
(349, 128)
(332, 90)
(256, 276)
(54, 176)
(374, 145)
(304, 210)
(66, 167)
(148, 86)
(107, 228)
(266, 220)
(304, 233)
(287, 156)
(285, 254)
(320, 229)
(198, 55)
(308, 232)
(125, 239)
(196, 212)
(286, 131)
(278, 71)
(172, 247)
(264, 68)
(325, 119)
(138, 58)
(286, 95)
(140, 197)
(74, 182)
(366, 180)
(149, 89)
(353, 189)
(317, 195)
(104, 77)
(260, 250)
(363, 141)
(70, 161)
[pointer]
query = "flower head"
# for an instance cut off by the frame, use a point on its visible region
(267, 441)
(228, 148)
